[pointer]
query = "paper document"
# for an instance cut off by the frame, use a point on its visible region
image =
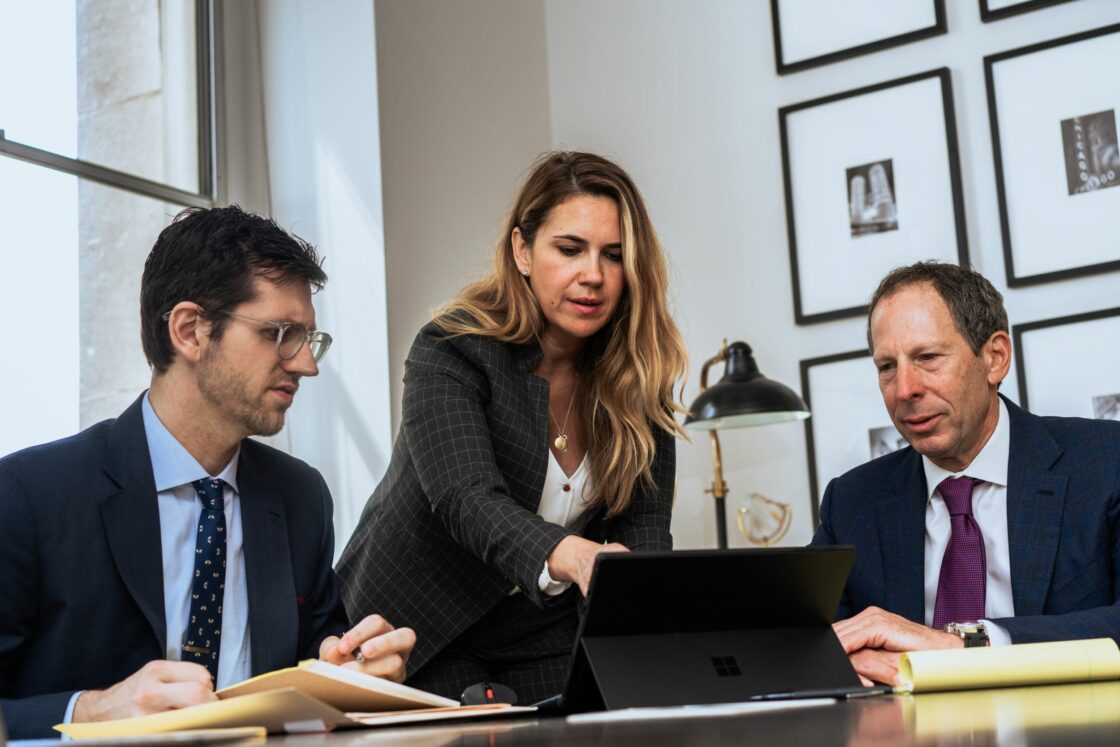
(226, 737)
(313, 696)
(273, 710)
(344, 689)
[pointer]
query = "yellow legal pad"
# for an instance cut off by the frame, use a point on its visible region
(1010, 666)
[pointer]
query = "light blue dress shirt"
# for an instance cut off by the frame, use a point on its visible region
(174, 470)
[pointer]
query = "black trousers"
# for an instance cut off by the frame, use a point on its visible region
(516, 644)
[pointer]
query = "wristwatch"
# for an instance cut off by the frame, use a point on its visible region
(974, 634)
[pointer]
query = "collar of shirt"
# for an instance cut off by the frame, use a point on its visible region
(172, 464)
(990, 465)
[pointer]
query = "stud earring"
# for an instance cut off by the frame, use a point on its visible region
(525, 273)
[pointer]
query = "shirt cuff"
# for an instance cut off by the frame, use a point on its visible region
(997, 635)
(550, 586)
(70, 707)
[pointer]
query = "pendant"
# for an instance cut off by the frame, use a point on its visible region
(561, 443)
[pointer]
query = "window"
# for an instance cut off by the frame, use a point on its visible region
(106, 112)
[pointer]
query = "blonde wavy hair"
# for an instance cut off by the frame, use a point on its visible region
(628, 368)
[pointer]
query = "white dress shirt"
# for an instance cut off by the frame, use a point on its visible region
(989, 508)
(179, 508)
(562, 502)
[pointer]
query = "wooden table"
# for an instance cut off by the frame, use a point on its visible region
(1063, 716)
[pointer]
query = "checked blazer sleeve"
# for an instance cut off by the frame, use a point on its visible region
(453, 526)
(449, 437)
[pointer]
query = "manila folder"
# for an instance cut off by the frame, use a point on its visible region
(276, 710)
(341, 688)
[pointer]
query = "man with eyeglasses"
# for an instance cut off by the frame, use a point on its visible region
(154, 558)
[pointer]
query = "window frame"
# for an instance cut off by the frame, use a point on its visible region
(211, 182)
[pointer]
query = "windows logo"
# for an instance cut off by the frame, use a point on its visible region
(726, 666)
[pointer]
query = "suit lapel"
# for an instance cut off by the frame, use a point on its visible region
(535, 460)
(131, 518)
(273, 617)
(901, 516)
(1035, 502)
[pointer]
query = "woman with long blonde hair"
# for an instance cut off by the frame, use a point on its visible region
(537, 431)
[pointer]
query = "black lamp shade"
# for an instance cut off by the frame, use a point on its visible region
(744, 397)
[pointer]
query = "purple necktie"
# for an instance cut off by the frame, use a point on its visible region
(960, 590)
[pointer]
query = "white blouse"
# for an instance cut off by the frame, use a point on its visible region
(562, 502)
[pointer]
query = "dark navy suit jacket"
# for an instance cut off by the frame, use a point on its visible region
(1063, 523)
(81, 601)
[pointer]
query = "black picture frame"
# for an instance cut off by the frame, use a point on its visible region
(933, 227)
(845, 414)
(1078, 367)
(1016, 138)
(987, 15)
(857, 48)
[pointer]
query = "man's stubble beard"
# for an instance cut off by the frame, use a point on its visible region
(230, 395)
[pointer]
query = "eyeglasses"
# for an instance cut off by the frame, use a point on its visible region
(290, 336)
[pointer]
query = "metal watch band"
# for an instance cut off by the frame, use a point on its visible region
(974, 635)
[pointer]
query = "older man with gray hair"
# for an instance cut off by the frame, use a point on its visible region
(994, 526)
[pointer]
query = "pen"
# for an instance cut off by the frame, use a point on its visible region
(846, 693)
(357, 652)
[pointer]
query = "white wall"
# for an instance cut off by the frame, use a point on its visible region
(685, 95)
(463, 90)
(320, 110)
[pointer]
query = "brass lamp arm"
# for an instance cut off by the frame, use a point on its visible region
(719, 487)
(717, 358)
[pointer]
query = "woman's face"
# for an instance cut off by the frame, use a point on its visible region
(575, 267)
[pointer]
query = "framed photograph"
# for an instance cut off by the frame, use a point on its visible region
(993, 10)
(872, 182)
(849, 425)
(808, 33)
(1057, 158)
(1070, 366)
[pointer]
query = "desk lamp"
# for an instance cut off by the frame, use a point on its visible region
(742, 398)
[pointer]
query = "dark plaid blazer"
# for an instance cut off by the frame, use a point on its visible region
(82, 566)
(1063, 522)
(453, 528)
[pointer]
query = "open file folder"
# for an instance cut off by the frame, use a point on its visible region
(313, 696)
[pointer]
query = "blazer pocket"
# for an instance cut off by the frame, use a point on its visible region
(1083, 590)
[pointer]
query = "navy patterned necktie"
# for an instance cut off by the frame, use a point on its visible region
(203, 638)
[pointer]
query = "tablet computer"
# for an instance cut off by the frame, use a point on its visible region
(709, 626)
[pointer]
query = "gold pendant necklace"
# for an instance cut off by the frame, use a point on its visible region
(561, 442)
